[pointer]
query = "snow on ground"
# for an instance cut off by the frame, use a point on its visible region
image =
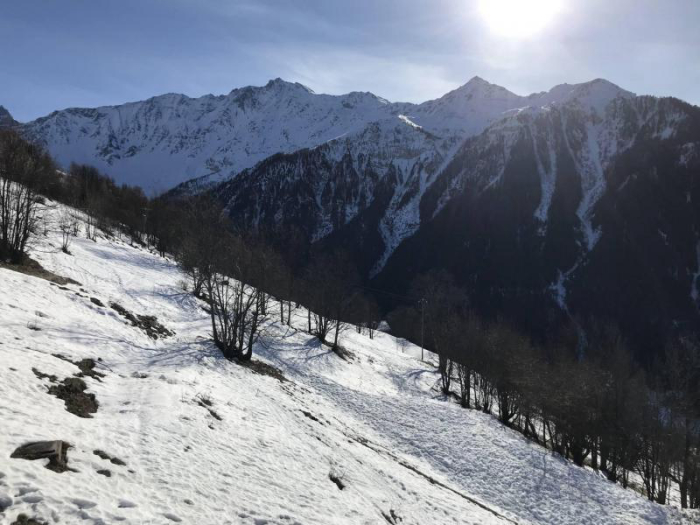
(266, 451)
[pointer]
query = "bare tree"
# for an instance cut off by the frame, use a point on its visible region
(445, 307)
(23, 167)
(68, 226)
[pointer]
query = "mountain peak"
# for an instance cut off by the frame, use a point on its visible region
(6, 119)
(596, 93)
(477, 80)
(477, 86)
(281, 84)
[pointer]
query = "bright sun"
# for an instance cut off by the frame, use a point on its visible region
(518, 18)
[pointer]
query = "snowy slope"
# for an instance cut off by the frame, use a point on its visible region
(376, 422)
(165, 140)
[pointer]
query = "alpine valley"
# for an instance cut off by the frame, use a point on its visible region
(552, 210)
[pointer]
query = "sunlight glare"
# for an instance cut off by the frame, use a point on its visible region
(518, 18)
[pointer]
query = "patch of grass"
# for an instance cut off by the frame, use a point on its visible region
(343, 353)
(147, 323)
(264, 369)
(31, 267)
(205, 401)
(86, 366)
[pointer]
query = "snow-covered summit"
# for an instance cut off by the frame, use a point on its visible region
(593, 95)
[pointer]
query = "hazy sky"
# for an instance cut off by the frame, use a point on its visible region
(61, 53)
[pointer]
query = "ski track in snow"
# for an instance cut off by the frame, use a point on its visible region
(379, 424)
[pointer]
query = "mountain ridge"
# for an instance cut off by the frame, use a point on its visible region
(168, 139)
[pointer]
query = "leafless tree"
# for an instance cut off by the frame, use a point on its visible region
(68, 226)
(23, 168)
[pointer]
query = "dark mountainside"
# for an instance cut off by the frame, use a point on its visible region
(615, 240)
(643, 271)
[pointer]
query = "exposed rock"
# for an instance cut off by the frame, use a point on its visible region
(103, 455)
(55, 451)
(337, 480)
(96, 301)
(42, 375)
(78, 402)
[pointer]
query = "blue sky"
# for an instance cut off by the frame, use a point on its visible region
(62, 53)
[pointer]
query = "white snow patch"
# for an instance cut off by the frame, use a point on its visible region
(408, 121)
(548, 176)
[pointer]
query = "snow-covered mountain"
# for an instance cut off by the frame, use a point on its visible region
(163, 141)
(166, 140)
(178, 434)
(390, 164)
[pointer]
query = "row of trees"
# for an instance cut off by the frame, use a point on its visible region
(596, 407)
(240, 274)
